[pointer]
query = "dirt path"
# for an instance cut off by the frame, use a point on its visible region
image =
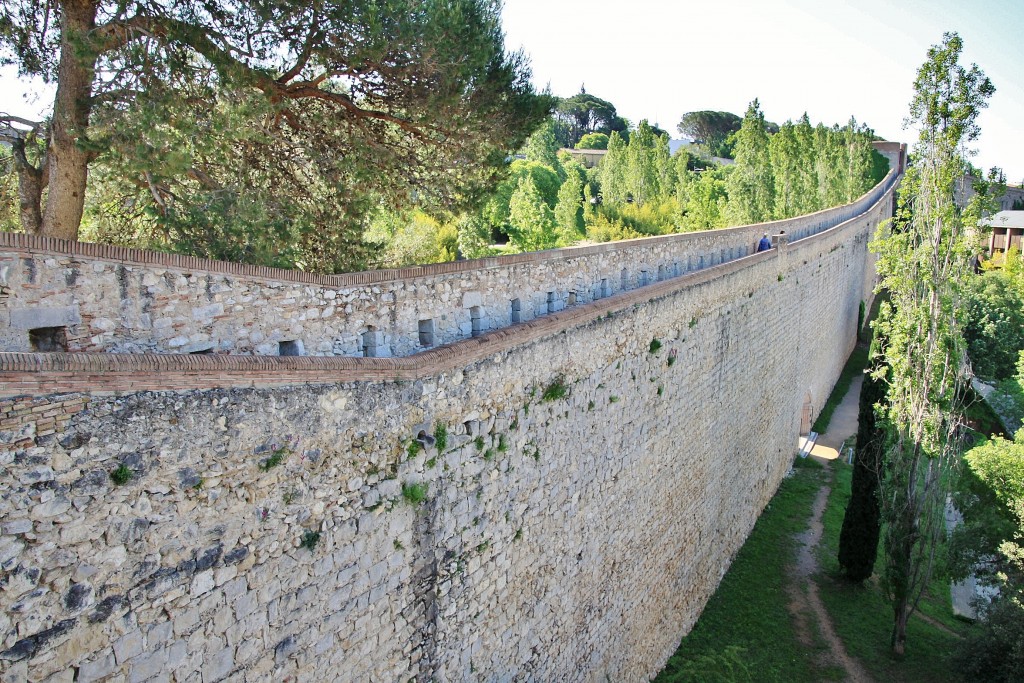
(805, 605)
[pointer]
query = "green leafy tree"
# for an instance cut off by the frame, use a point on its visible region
(542, 146)
(584, 113)
(923, 263)
(544, 179)
(751, 184)
(593, 141)
(341, 100)
(569, 208)
(706, 200)
(710, 130)
(995, 321)
(990, 544)
(531, 220)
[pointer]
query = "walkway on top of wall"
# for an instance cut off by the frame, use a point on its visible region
(50, 373)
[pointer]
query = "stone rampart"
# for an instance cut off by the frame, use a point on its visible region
(583, 482)
(119, 300)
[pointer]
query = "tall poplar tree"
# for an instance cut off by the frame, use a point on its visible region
(751, 183)
(923, 263)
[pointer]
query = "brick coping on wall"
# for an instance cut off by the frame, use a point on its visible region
(104, 373)
(141, 257)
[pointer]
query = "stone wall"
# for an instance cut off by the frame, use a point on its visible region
(119, 300)
(596, 471)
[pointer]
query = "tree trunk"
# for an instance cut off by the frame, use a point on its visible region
(31, 181)
(68, 159)
(899, 628)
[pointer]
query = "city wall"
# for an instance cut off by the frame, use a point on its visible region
(553, 500)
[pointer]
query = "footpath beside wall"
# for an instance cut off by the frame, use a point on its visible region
(600, 467)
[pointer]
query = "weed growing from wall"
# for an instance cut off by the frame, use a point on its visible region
(414, 494)
(554, 391)
(309, 540)
(655, 345)
(122, 475)
(276, 458)
(441, 437)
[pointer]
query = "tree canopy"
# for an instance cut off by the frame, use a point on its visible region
(709, 129)
(584, 113)
(262, 118)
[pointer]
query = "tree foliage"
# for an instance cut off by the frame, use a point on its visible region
(584, 113)
(268, 122)
(923, 263)
(751, 184)
(995, 319)
(593, 141)
(710, 130)
(531, 225)
(862, 523)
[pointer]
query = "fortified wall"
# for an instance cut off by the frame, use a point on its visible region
(553, 500)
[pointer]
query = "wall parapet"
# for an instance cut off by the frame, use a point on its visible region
(104, 298)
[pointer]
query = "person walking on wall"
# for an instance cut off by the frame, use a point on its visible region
(765, 244)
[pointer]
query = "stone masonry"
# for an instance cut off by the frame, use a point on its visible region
(112, 299)
(554, 501)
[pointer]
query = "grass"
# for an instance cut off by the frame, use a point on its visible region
(414, 494)
(655, 345)
(122, 475)
(275, 459)
(554, 391)
(744, 633)
(863, 617)
(440, 437)
(855, 365)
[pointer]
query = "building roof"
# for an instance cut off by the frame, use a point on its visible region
(1005, 219)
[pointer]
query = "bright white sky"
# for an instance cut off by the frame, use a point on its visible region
(657, 59)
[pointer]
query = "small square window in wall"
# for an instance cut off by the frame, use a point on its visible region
(48, 339)
(517, 311)
(551, 302)
(426, 332)
(572, 299)
(289, 348)
(606, 289)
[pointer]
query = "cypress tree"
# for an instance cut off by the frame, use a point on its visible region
(858, 539)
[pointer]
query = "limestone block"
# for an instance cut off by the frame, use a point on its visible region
(42, 316)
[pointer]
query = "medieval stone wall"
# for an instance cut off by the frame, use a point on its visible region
(118, 300)
(585, 480)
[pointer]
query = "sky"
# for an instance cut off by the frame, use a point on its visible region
(658, 59)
